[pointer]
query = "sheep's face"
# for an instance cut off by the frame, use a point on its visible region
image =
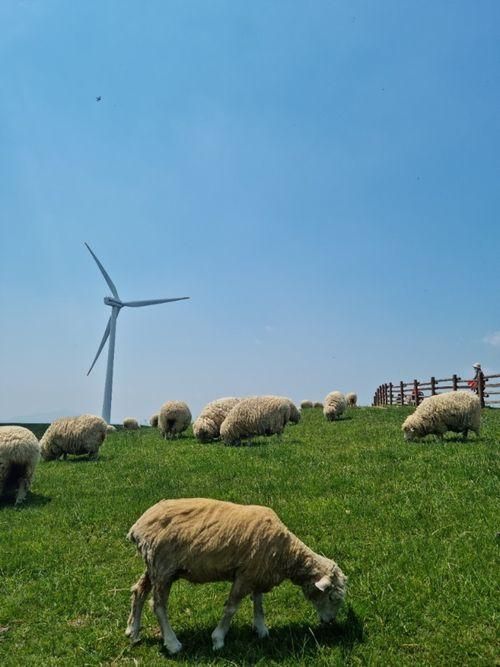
(410, 429)
(327, 594)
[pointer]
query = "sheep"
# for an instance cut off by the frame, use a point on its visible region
(257, 415)
(207, 426)
(318, 404)
(153, 420)
(294, 413)
(458, 411)
(130, 424)
(74, 435)
(304, 405)
(204, 540)
(110, 428)
(334, 405)
(351, 399)
(19, 455)
(174, 418)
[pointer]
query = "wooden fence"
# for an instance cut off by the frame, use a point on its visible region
(487, 387)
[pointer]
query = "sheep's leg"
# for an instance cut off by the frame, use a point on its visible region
(140, 591)
(259, 622)
(230, 608)
(21, 490)
(160, 601)
(465, 432)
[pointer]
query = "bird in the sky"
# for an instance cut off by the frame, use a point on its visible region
(98, 98)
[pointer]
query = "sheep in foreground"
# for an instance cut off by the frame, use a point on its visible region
(257, 415)
(19, 455)
(305, 405)
(174, 418)
(351, 399)
(153, 420)
(334, 405)
(205, 540)
(458, 411)
(130, 424)
(207, 426)
(74, 435)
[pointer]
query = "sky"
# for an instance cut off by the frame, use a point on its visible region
(322, 179)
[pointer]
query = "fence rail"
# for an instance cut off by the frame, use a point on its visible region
(414, 392)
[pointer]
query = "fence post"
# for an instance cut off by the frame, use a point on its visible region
(402, 391)
(415, 391)
(433, 386)
(455, 382)
(390, 393)
(480, 387)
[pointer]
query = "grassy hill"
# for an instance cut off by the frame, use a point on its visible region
(412, 525)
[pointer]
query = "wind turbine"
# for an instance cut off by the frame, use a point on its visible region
(110, 332)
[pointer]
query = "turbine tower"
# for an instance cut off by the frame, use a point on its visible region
(116, 305)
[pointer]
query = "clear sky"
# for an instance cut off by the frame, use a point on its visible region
(322, 178)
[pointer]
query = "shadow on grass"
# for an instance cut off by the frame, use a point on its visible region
(296, 640)
(32, 500)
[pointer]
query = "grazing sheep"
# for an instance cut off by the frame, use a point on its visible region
(110, 428)
(304, 405)
(174, 418)
(334, 405)
(207, 426)
(19, 455)
(294, 413)
(257, 415)
(318, 404)
(130, 424)
(458, 411)
(74, 435)
(153, 420)
(351, 399)
(204, 540)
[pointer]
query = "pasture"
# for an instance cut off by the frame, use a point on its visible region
(412, 525)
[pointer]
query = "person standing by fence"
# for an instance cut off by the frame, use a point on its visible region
(474, 383)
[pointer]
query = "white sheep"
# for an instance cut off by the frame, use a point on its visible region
(318, 404)
(130, 424)
(174, 418)
(257, 415)
(334, 405)
(153, 420)
(458, 411)
(351, 399)
(294, 413)
(74, 435)
(19, 455)
(305, 405)
(110, 428)
(204, 540)
(207, 426)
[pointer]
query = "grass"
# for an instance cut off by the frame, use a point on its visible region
(413, 526)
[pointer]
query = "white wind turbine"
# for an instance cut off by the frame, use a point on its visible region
(116, 305)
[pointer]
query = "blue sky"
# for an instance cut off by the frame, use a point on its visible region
(321, 178)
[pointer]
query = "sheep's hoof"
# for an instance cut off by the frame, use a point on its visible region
(132, 634)
(262, 633)
(174, 647)
(217, 642)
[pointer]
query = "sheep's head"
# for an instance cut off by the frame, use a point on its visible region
(412, 429)
(327, 593)
(205, 429)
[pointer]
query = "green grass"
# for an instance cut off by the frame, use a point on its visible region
(412, 525)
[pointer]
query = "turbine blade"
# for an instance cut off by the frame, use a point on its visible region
(103, 271)
(151, 302)
(103, 341)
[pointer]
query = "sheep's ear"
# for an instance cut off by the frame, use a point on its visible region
(323, 583)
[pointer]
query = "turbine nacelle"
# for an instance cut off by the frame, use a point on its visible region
(110, 301)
